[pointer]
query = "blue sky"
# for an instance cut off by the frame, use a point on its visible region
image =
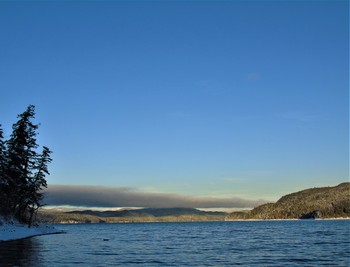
(242, 99)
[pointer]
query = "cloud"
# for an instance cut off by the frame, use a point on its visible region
(99, 196)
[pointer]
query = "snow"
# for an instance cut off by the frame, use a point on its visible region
(19, 231)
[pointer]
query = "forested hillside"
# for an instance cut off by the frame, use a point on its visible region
(135, 215)
(325, 202)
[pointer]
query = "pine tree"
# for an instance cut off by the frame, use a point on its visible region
(2, 147)
(2, 171)
(37, 182)
(25, 169)
(2, 154)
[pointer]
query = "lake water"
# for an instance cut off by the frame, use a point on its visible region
(254, 243)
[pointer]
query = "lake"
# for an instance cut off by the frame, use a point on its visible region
(249, 243)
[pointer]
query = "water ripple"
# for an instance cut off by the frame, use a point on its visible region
(280, 243)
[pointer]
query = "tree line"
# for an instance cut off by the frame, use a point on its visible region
(22, 170)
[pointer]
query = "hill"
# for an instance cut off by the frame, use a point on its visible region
(156, 212)
(135, 215)
(314, 203)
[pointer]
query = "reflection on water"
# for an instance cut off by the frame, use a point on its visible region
(20, 252)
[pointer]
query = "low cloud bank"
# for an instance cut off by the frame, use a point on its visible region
(98, 196)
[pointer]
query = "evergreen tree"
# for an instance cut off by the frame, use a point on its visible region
(2, 147)
(2, 171)
(25, 169)
(2, 154)
(37, 182)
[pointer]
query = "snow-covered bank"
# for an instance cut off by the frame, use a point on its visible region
(18, 231)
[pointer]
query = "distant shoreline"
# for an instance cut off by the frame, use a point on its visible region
(225, 220)
(263, 220)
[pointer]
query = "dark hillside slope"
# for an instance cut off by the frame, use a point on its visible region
(324, 202)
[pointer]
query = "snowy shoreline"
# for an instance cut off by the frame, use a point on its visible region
(10, 232)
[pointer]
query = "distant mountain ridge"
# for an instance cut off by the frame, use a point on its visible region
(156, 212)
(314, 203)
(130, 215)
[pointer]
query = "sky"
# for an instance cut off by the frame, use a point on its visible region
(213, 100)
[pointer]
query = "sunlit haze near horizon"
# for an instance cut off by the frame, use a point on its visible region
(203, 100)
